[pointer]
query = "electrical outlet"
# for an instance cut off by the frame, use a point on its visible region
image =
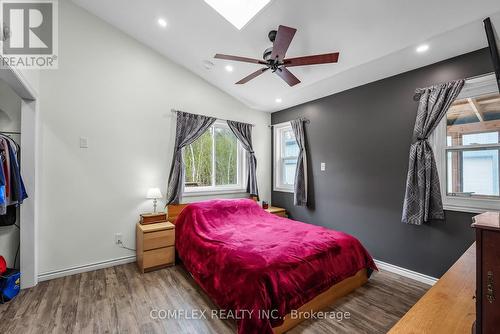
(323, 166)
(118, 238)
(84, 142)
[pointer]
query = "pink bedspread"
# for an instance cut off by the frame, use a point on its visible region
(261, 266)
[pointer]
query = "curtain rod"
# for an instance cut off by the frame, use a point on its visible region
(416, 97)
(304, 119)
(221, 119)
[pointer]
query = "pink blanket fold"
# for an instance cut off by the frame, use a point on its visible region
(259, 265)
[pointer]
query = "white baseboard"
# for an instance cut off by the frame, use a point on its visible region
(84, 268)
(406, 272)
(128, 259)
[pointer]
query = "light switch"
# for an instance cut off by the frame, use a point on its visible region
(84, 142)
(323, 166)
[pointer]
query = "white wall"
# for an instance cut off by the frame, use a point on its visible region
(10, 120)
(118, 93)
(31, 78)
(10, 109)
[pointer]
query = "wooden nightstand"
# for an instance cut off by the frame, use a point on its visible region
(277, 211)
(155, 246)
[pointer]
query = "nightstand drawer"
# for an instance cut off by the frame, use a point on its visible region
(158, 239)
(159, 257)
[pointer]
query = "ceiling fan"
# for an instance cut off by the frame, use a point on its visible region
(274, 57)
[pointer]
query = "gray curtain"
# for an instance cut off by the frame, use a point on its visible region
(300, 187)
(189, 128)
(243, 132)
(422, 201)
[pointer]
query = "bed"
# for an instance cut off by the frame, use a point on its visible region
(266, 270)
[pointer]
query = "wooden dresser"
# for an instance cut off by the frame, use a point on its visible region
(448, 307)
(155, 246)
(487, 227)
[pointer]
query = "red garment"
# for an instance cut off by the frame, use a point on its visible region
(248, 260)
(3, 265)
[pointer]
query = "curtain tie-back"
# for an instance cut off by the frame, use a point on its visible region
(300, 184)
(422, 201)
(243, 133)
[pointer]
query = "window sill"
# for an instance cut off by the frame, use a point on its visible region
(283, 190)
(194, 193)
(470, 205)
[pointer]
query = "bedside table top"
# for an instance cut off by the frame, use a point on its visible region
(156, 227)
(274, 209)
(153, 214)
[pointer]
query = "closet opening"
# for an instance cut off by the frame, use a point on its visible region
(10, 142)
(18, 214)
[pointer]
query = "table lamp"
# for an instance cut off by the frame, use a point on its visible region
(154, 194)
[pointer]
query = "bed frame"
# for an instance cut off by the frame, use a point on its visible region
(320, 302)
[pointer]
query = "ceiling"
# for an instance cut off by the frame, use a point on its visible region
(375, 39)
(484, 109)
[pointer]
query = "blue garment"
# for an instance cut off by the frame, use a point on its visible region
(3, 197)
(18, 190)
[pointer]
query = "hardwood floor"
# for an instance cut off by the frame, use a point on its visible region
(119, 300)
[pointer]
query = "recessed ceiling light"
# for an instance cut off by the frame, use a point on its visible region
(422, 48)
(238, 12)
(229, 68)
(162, 22)
(278, 100)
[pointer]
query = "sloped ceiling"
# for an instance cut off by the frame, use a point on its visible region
(376, 39)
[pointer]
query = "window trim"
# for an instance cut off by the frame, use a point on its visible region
(474, 87)
(278, 158)
(239, 188)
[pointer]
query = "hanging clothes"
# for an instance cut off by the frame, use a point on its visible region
(10, 216)
(3, 183)
(12, 189)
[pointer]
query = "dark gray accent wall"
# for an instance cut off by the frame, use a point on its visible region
(364, 134)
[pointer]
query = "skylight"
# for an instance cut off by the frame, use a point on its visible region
(238, 12)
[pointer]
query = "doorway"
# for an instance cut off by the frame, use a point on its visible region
(28, 211)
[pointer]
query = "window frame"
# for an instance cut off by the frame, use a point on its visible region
(474, 87)
(278, 148)
(240, 187)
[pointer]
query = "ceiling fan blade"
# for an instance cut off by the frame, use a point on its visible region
(312, 60)
(237, 58)
(288, 76)
(282, 42)
(252, 76)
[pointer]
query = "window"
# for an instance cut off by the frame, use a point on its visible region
(467, 148)
(286, 152)
(214, 162)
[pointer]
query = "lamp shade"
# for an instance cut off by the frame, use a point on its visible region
(154, 193)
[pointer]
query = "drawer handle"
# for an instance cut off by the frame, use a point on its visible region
(490, 294)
